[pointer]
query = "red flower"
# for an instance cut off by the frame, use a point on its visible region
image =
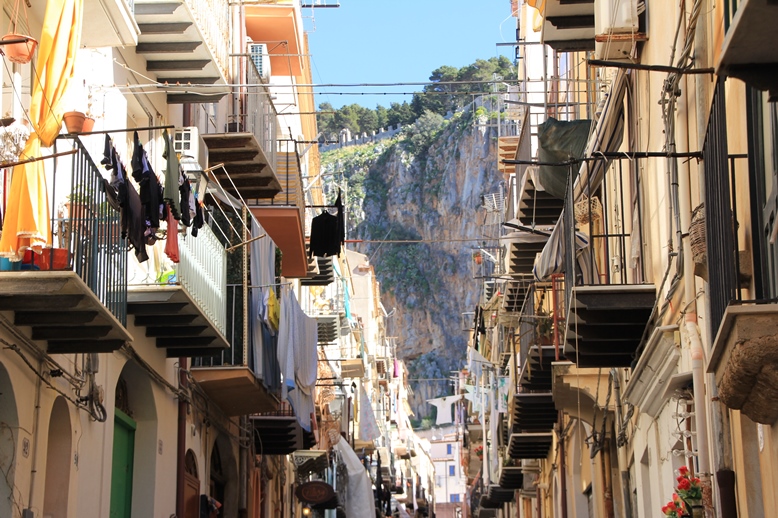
(684, 484)
(683, 470)
(671, 506)
(695, 480)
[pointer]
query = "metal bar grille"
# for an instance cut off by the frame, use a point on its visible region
(92, 234)
(719, 220)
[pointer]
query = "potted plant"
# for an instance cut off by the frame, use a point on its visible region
(675, 508)
(479, 452)
(544, 328)
(21, 47)
(477, 257)
(690, 490)
(74, 121)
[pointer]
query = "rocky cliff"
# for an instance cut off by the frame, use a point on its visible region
(415, 200)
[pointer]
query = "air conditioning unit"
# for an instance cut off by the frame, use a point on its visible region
(188, 142)
(617, 27)
(261, 58)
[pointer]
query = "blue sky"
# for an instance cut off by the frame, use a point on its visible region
(374, 41)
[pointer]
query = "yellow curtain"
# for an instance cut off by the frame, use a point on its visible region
(537, 16)
(27, 222)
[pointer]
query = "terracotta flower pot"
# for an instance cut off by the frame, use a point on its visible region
(89, 124)
(20, 52)
(74, 121)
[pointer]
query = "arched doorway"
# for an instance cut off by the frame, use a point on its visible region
(223, 477)
(9, 439)
(59, 448)
(123, 466)
(133, 475)
(218, 480)
(191, 486)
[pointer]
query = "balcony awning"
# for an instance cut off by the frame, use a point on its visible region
(607, 137)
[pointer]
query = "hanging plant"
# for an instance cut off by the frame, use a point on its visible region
(18, 47)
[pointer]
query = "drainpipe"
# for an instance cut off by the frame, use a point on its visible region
(243, 469)
(181, 437)
(700, 409)
(695, 341)
(621, 450)
(607, 480)
(35, 441)
(562, 471)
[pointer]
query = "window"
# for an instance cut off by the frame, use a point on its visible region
(452, 470)
(453, 498)
(448, 449)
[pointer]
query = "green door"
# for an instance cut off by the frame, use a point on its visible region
(121, 474)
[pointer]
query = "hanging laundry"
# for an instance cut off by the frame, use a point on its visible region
(479, 399)
(187, 200)
(443, 404)
(171, 242)
(150, 190)
(172, 176)
(272, 313)
(476, 362)
(298, 357)
(131, 209)
(199, 220)
(341, 219)
(324, 236)
(503, 391)
(368, 426)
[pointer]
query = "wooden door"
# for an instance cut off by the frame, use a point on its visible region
(121, 472)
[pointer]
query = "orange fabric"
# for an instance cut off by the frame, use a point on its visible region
(27, 221)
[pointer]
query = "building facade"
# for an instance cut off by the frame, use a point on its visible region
(170, 345)
(634, 299)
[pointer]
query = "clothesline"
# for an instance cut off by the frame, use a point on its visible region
(122, 130)
(287, 283)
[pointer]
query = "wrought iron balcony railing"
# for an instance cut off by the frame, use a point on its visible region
(89, 230)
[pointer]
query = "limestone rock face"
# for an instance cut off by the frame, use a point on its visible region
(422, 186)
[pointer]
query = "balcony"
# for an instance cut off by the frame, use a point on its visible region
(243, 379)
(511, 477)
(537, 207)
(609, 304)
(568, 26)
(283, 216)
(500, 495)
(536, 373)
(324, 275)
(184, 310)
(116, 14)
(532, 424)
(523, 246)
(73, 297)
(279, 433)
(277, 23)
(749, 52)
(183, 41)
(744, 359)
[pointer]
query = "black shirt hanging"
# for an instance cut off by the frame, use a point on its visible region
(324, 236)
